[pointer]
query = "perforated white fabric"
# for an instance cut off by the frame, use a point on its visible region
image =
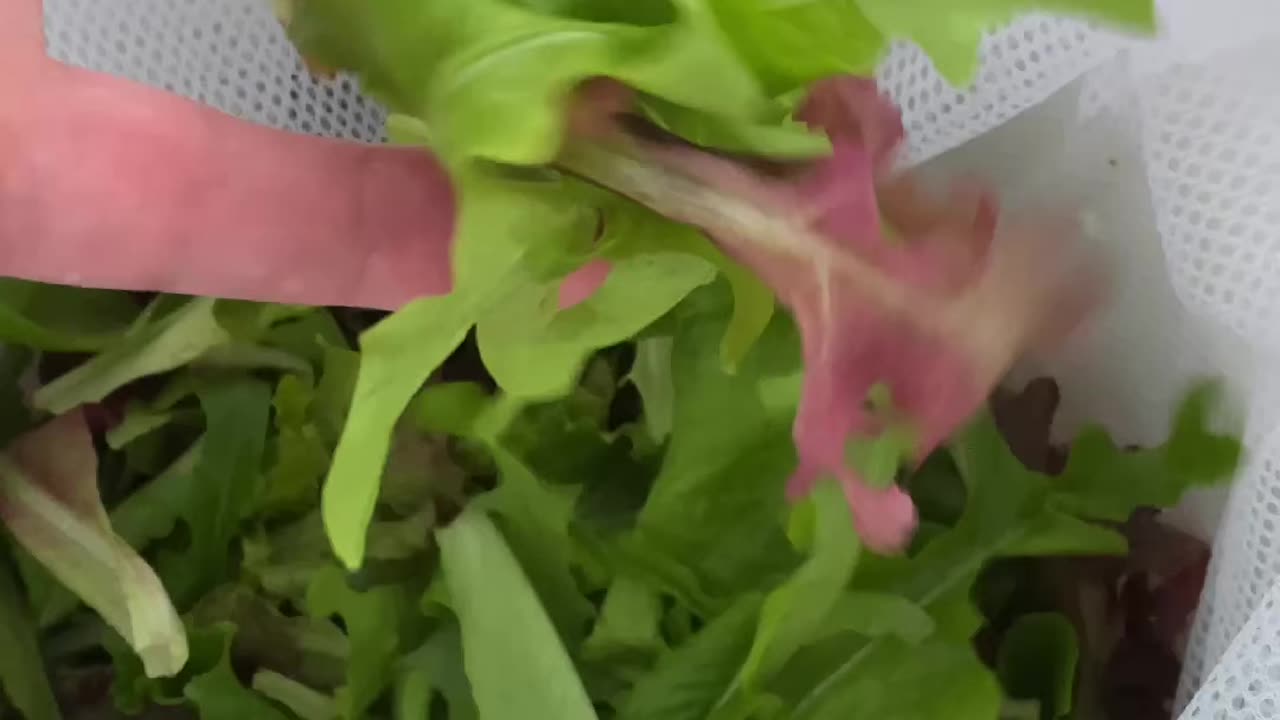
(1172, 149)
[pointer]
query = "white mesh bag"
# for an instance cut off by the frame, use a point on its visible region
(1170, 147)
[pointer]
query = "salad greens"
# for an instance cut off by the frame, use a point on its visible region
(699, 430)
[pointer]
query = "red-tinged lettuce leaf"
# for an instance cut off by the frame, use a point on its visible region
(49, 502)
(114, 184)
(937, 314)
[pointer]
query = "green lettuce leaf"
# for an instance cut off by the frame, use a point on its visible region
(492, 79)
(505, 629)
(536, 351)
(49, 502)
(717, 504)
(303, 701)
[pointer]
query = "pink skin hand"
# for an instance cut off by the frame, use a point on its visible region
(108, 183)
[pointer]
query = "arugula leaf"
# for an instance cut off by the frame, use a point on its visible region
(506, 633)
(688, 682)
(794, 612)
(169, 343)
(376, 624)
(492, 78)
(953, 43)
(436, 666)
(1037, 661)
(49, 501)
(300, 455)
(62, 319)
(22, 668)
(216, 692)
(226, 481)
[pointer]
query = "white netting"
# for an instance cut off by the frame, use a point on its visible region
(1172, 149)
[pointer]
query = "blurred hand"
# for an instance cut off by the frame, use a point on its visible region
(108, 183)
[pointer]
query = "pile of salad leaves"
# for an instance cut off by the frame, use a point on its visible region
(566, 486)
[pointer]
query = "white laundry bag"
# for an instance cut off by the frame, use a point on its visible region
(1170, 146)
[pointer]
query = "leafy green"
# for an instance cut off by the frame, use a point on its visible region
(505, 630)
(62, 319)
(49, 502)
(435, 667)
(496, 232)
(151, 348)
(715, 504)
(226, 480)
(22, 668)
(376, 625)
(1037, 661)
(1012, 511)
(491, 78)
(216, 692)
(795, 611)
(687, 683)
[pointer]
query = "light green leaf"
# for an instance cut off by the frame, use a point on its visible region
(1037, 661)
(793, 44)
(300, 455)
(651, 374)
(22, 674)
(717, 504)
(951, 33)
(630, 621)
(879, 615)
(501, 222)
(49, 502)
(175, 340)
(62, 319)
(688, 682)
(795, 612)
(505, 630)
(305, 702)
(935, 680)
(492, 79)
